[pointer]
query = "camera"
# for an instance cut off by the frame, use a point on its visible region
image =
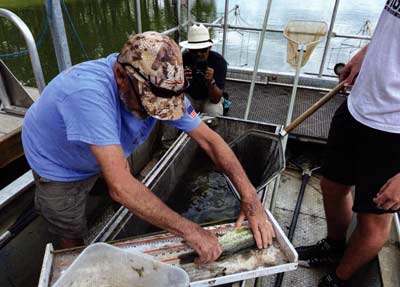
(199, 68)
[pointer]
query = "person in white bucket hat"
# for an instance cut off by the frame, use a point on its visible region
(206, 72)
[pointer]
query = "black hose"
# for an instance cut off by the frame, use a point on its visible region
(24, 219)
(305, 178)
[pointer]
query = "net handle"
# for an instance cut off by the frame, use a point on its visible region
(313, 108)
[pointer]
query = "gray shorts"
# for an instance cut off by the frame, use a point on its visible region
(63, 205)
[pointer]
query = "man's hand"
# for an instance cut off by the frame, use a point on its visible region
(209, 75)
(353, 67)
(206, 244)
(262, 229)
(388, 197)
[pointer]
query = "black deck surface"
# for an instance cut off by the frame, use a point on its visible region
(270, 104)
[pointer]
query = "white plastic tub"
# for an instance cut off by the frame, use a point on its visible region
(104, 265)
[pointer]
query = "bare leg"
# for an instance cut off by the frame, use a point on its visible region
(69, 243)
(337, 203)
(367, 239)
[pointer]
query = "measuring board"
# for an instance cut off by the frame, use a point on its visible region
(168, 248)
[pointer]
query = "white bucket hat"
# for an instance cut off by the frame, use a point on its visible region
(198, 38)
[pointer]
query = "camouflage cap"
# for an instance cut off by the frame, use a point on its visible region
(158, 58)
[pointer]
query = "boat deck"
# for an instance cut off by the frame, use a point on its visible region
(311, 227)
(271, 102)
(10, 133)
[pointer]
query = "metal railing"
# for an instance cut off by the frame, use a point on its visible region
(30, 42)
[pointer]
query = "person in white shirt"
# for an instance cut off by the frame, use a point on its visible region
(363, 151)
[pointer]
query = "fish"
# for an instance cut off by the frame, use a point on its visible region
(231, 242)
(236, 240)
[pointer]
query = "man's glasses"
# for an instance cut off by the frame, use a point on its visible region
(158, 91)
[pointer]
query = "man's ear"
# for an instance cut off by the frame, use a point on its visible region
(120, 77)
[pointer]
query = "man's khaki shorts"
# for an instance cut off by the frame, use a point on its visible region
(207, 107)
(63, 205)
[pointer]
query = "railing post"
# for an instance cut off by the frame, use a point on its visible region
(329, 37)
(58, 34)
(138, 15)
(301, 50)
(30, 43)
(178, 19)
(189, 15)
(226, 14)
(258, 56)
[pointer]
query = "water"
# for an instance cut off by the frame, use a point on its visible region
(203, 194)
(103, 27)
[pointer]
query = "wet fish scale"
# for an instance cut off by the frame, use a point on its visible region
(231, 242)
(236, 240)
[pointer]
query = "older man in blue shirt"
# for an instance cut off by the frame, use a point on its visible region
(93, 115)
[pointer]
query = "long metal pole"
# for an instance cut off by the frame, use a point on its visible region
(30, 43)
(247, 28)
(258, 56)
(178, 19)
(178, 12)
(301, 50)
(138, 14)
(226, 15)
(188, 14)
(329, 37)
(58, 35)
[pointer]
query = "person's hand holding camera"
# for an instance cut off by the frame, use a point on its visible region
(209, 76)
(188, 73)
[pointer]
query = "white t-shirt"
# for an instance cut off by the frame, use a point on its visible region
(375, 97)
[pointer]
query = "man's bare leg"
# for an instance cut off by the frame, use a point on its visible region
(367, 239)
(337, 204)
(69, 243)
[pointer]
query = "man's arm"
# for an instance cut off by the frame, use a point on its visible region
(132, 194)
(214, 92)
(225, 159)
(353, 67)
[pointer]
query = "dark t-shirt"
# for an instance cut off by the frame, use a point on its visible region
(198, 89)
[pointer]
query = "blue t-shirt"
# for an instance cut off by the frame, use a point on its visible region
(79, 107)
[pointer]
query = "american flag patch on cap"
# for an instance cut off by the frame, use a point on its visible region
(192, 113)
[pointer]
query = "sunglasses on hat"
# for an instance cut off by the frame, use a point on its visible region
(157, 91)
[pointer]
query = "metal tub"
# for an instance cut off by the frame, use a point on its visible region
(258, 147)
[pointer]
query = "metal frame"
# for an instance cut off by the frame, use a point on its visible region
(226, 15)
(25, 181)
(44, 280)
(30, 42)
(255, 29)
(329, 37)
(138, 15)
(13, 95)
(132, 244)
(58, 34)
(258, 57)
(15, 188)
(116, 223)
